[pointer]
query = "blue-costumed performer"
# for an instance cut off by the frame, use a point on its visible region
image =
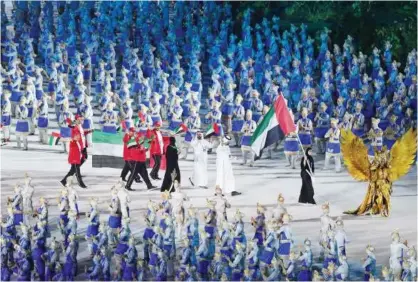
(358, 121)
(333, 146)
(375, 135)
(305, 129)
(391, 133)
(322, 120)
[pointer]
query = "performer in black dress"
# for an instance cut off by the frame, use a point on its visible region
(172, 166)
(307, 169)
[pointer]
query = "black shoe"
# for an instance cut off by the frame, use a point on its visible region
(138, 180)
(157, 178)
(63, 182)
(203, 187)
(152, 176)
(82, 185)
(235, 193)
(151, 187)
(191, 182)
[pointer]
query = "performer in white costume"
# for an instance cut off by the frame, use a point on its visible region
(200, 167)
(224, 175)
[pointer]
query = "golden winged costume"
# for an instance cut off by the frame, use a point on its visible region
(386, 167)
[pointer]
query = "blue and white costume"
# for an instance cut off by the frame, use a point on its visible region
(333, 146)
(109, 119)
(43, 119)
(247, 131)
(305, 129)
(22, 124)
(6, 114)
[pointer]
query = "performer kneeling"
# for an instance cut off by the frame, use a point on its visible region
(76, 156)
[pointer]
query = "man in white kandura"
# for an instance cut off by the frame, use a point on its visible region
(224, 174)
(200, 167)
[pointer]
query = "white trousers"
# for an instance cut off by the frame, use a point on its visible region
(19, 139)
(43, 135)
(337, 161)
(292, 160)
(6, 132)
(247, 154)
(321, 144)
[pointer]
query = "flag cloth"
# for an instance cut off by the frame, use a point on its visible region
(54, 139)
(182, 128)
(107, 149)
(276, 124)
(212, 129)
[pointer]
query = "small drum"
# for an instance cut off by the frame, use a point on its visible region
(228, 109)
(30, 112)
(87, 124)
(333, 148)
(22, 126)
(195, 87)
(359, 132)
(146, 103)
(237, 125)
(305, 139)
(320, 132)
(155, 119)
(247, 104)
(98, 88)
(246, 140)
(65, 132)
(16, 95)
(109, 129)
(39, 94)
(115, 221)
(189, 136)
(87, 74)
(43, 122)
(52, 87)
(174, 124)
(291, 146)
(6, 120)
(94, 58)
(256, 117)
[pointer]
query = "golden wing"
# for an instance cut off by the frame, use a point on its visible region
(355, 155)
(402, 155)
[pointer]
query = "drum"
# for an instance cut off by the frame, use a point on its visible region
(237, 125)
(109, 129)
(22, 126)
(246, 140)
(65, 132)
(42, 122)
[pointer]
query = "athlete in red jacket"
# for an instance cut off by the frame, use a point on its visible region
(139, 157)
(129, 163)
(75, 155)
(157, 148)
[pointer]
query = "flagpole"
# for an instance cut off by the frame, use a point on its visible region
(304, 154)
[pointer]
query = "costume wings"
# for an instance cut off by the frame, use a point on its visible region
(401, 156)
(355, 155)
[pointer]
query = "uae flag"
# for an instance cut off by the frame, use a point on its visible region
(276, 124)
(180, 129)
(212, 129)
(54, 139)
(107, 149)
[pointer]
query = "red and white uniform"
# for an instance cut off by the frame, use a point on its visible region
(157, 143)
(76, 146)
